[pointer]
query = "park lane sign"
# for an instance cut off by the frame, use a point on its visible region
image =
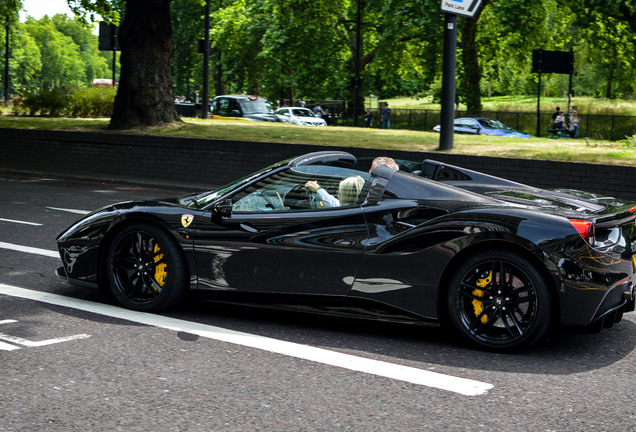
(461, 7)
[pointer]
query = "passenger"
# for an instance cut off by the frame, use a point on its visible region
(348, 191)
(384, 161)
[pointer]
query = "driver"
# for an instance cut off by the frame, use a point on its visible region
(348, 191)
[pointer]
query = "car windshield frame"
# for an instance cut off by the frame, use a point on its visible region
(494, 124)
(207, 198)
(256, 106)
(302, 112)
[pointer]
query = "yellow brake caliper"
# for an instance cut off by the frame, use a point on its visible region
(478, 305)
(160, 271)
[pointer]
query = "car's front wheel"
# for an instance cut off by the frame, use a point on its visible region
(497, 300)
(147, 271)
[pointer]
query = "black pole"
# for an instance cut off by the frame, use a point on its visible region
(356, 79)
(219, 67)
(206, 62)
(448, 83)
(114, 65)
(6, 64)
(114, 33)
(539, 107)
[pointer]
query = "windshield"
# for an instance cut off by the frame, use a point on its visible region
(302, 113)
(206, 198)
(494, 124)
(256, 106)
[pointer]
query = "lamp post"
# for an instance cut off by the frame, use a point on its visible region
(448, 83)
(6, 63)
(356, 79)
(206, 62)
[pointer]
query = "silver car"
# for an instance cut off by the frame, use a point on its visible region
(299, 116)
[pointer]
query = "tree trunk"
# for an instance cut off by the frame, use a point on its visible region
(144, 97)
(469, 87)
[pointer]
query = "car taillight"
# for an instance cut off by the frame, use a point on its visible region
(585, 228)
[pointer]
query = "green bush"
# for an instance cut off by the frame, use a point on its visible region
(93, 102)
(52, 102)
(56, 102)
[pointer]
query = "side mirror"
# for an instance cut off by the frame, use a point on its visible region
(222, 210)
(235, 113)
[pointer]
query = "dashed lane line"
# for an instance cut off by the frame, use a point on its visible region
(20, 222)
(29, 249)
(76, 211)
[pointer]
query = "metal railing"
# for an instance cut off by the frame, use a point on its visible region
(593, 126)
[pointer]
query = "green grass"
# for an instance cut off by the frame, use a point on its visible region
(582, 150)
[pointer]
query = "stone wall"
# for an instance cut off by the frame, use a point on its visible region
(202, 163)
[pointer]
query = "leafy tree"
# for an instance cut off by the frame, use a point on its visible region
(610, 41)
(61, 58)
(187, 22)
(95, 66)
(26, 62)
(9, 17)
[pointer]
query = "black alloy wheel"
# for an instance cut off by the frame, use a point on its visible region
(498, 301)
(147, 271)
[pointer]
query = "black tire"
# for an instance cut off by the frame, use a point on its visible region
(495, 313)
(146, 269)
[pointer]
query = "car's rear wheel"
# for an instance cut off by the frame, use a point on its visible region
(498, 301)
(147, 271)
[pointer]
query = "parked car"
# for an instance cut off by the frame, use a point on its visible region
(299, 116)
(484, 126)
(243, 107)
(500, 262)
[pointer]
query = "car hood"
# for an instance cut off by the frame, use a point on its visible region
(263, 117)
(504, 133)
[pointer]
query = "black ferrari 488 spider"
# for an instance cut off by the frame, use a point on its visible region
(500, 262)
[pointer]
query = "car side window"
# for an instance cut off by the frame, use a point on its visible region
(467, 124)
(234, 108)
(222, 107)
(285, 190)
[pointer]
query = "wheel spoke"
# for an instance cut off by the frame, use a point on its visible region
(131, 286)
(124, 263)
(510, 328)
(155, 260)
(502, 274)
(136, 245)
(467, 291)
(522, 300)
(152, 284)
(476, 324)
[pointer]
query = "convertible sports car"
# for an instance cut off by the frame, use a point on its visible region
(500, 262)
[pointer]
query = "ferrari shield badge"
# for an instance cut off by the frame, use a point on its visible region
(186, 220)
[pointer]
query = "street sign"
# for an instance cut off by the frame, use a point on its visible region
(461, 7)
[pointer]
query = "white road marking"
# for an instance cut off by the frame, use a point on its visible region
(28, 249)
(408, 374)
(8, 347)
(29, 343)
(20, 222)
(82, 212)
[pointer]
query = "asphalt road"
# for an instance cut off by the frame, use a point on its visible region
(88, 365)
